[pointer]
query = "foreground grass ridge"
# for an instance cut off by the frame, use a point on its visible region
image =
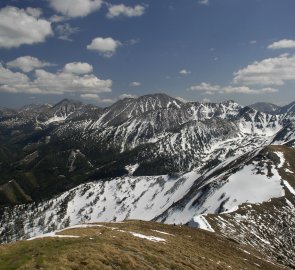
(131, 245)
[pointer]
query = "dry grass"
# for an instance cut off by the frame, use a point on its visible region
(114, 247)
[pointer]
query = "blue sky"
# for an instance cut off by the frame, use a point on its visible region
(100, 51)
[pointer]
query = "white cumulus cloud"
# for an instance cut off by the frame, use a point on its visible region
(135, 84)
(65, 31)
(270, 71)
(68, 82)
(96, 98)
(27, 63)
(185, 72)
(35, 12)
(75, 8)
(105, 46)
(204, 2)
(282, 44)
(122, 10)
(210, 89)
(45, 82)
(205, 87)
(22, 26)
(12, 80)
(78, 68)
(127, 96)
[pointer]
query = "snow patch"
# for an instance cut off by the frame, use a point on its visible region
(282, 159)
(245, 186)
(150, 238)
(289, 187)
(201, 223)
(163, 232)
(131, 168)
(53, 234)
(55, 118)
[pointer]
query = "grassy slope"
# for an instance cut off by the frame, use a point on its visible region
(12, 192)
(112, 246)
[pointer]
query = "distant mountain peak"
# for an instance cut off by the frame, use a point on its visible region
(67, 101)
(265, 107)
(155, 95)
(228, 102)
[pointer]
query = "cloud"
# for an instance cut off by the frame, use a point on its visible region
(75, 8)
(27, 63)
(247, 90)
(205, 87)
(22, 26)
(105, 46)
(132, 42)
(127, 96)
(282, 44)
(96, 98)
(184, 72)
(122, 10)
(204, 2)
(58, 18)
(52, 83)
(135, 84)
(270, 71)
(209, 89)
(90, 96)
(252, 42)
(69, 82)
(35, 12)
(12, 81)
(78, 68)
(64, 31)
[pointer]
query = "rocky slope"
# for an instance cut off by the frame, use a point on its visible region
(150, 158)
(161, 134)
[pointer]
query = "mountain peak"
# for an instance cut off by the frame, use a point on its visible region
(229, 102)
(155, 95)
(287, 109)
(265, 107)
(67, 101)
(161, 100)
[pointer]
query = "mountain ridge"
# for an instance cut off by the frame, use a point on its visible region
(150, 158)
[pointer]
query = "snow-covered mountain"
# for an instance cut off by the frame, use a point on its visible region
(151, 158)
(253, 189)
(160, 134)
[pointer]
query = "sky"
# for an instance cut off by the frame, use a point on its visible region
(100, 51)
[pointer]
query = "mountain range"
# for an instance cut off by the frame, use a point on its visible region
(222, 167)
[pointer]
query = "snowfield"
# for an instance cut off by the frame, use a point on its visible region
(162, 198)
